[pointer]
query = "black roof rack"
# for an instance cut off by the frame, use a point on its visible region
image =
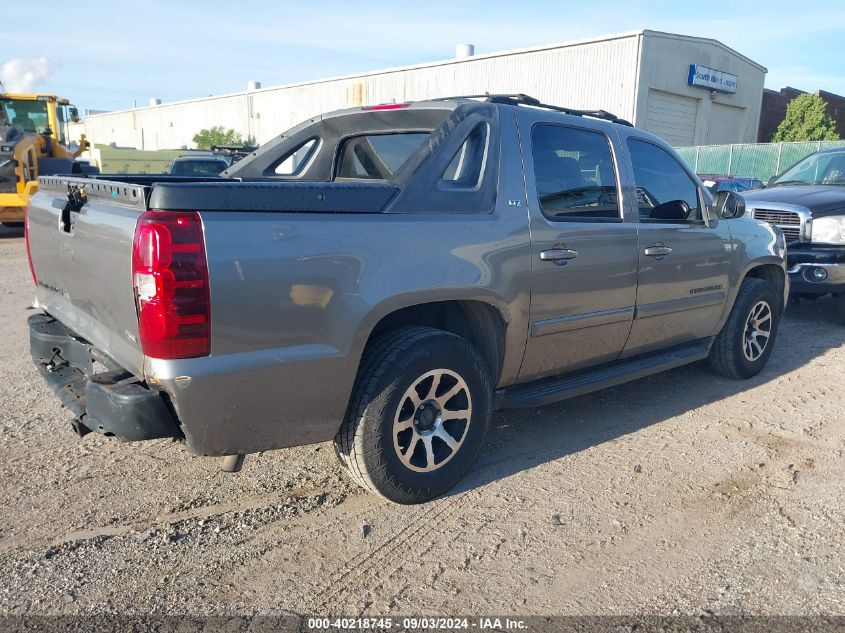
(523, 99)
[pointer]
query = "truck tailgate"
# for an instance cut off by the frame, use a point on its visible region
(83, 262)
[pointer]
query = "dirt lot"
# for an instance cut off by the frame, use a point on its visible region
(680, 493)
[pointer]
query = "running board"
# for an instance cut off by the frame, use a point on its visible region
(548, 390)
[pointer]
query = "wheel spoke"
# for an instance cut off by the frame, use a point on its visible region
(450, 394)
(757, 347)
(762, 333)
(404, 425)
(435, 383)
(414, 397)
(429, 451)
(406, 456)
(443, 434)
(461, 414)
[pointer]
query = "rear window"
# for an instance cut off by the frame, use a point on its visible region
(198, 167)
(377, 156)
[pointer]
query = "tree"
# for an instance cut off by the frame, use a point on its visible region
(806, 120)
(217, 135)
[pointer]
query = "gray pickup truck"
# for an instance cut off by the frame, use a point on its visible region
(386, 276)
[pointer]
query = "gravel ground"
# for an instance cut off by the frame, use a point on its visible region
(683, 493)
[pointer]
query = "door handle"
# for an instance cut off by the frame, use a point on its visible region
(557, 254)
(657, 251)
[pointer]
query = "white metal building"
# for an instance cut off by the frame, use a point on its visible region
(689, 90)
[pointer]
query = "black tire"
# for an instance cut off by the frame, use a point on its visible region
(729, 355)
(12, 225)
(368, 443)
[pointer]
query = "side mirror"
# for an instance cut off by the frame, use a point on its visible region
(73, 114)
(728, 205)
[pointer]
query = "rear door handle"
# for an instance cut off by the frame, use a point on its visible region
(657, 251)
(557, 254)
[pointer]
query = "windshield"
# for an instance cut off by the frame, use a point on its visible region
(817, 169)
(30, 115)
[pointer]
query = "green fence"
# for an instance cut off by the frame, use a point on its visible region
(758, 160)
(112, 160)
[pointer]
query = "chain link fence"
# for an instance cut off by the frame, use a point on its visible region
(756, 160)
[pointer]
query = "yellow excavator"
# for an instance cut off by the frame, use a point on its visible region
(33, 143)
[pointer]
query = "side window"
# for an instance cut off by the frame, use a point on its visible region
(467, 165)
(377, 156)
(294, 161)
(665, 192)
(574, 174)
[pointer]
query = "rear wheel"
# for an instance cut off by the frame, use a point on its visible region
(745, 343)
(418, 414)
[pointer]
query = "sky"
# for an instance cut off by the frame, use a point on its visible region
(110, 55)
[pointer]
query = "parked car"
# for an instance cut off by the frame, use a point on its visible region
(716, 183)
(197, 166)
(807, 202)
(408, 273)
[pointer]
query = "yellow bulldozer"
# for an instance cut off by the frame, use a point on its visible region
(34, 142)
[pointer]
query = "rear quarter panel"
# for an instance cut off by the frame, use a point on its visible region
(295, 297)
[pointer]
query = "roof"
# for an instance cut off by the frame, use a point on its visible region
(453, 61)
(704, 40)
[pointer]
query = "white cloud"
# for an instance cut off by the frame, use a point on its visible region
(24, 75)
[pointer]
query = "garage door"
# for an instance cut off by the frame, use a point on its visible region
(725, 124)
(671, 117)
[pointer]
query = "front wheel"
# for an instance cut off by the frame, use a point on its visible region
(745, 343)
(418, 414)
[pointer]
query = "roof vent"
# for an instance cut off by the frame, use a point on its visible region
(154, 101)
(463, 51)
(253, 85)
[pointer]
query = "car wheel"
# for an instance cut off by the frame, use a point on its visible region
(418, 413)
(745, 343)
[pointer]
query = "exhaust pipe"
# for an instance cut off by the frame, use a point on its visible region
(232, 463)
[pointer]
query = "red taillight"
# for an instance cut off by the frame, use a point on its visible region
(386, 106)
(170, 279)
(26, 239)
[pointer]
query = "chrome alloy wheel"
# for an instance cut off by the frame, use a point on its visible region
(432, 420)
(758, 329)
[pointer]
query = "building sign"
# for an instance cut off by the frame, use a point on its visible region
(710, 78)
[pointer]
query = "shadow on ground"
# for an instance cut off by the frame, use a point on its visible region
(518, 440)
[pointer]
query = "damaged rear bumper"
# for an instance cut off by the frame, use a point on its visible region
(112, 402)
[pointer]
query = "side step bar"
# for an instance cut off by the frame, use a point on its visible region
(548, 390)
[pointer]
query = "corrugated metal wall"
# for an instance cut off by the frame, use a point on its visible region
(597, 74)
